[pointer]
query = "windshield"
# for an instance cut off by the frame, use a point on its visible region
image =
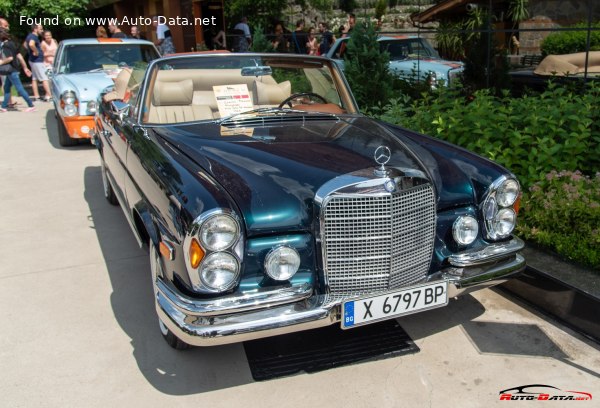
(407, 48)
(89, 57)
(215, 87)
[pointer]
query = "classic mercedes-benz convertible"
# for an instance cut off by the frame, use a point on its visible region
(270, 205)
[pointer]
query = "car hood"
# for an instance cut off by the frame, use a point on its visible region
(273, 172)
(425, 64)
(87, 85)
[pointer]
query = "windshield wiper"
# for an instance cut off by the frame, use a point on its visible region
(259, 110)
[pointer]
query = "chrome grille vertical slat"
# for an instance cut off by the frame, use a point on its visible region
(374, 243)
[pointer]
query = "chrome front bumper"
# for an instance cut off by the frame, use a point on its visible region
(232, 320)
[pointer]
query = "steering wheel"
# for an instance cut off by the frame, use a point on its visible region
(290, 98)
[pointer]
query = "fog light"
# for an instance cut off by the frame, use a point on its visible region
(220, 271)
(70, 110)
(282, 263)
(465, 229)
(92, 107)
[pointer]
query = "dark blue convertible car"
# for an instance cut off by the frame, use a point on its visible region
(270, 205)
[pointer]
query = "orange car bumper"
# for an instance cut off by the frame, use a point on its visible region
(79, 127)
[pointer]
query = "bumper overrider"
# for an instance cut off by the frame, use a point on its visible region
(233, 319)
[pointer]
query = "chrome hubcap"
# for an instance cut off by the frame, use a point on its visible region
(105, 181)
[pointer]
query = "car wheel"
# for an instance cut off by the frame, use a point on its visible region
(156, 268)
(63, 135)
(109, 193)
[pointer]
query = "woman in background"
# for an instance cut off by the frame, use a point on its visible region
(49, 47)
(101, 32)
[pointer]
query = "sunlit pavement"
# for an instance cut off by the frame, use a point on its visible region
(78, 327)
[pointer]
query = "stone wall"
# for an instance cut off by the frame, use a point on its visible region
(552, 14)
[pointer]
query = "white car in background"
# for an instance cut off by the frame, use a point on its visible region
(82, 69)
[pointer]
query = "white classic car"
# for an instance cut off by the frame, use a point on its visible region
(82, 69)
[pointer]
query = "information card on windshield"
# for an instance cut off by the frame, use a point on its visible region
(232, 99)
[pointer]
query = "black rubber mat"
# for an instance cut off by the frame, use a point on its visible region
(321, 349)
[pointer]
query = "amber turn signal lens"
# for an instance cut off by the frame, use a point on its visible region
(517, 203)
(196, 253)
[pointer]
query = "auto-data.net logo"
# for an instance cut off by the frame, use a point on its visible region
(542, 392)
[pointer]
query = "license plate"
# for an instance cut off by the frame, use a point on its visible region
(394, 304)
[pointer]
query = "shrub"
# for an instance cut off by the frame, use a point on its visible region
(562, 212)
(260, 42)
(367, 67)
(531, 135)
(567, 42)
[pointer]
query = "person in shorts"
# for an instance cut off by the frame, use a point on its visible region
(36, 62)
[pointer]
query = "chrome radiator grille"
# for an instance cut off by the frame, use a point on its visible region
(375, 243)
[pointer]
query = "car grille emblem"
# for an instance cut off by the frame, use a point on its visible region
(382, 156)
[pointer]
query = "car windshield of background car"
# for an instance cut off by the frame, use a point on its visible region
(84, 58)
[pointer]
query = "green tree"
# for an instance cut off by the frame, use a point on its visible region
(260, 42)
(64, 9)
(367, 67)
(259, 12)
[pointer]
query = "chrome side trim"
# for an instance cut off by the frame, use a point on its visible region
(490, 253)
(180, 314)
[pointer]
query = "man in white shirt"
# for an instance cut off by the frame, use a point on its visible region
(244, 39)
(164, 40)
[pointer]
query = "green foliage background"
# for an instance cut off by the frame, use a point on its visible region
(567, 42)
(13, 9)
(367, 68)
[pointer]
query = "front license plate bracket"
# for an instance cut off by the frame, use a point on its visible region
(362, 311)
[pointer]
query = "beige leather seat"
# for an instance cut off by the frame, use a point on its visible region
(172, 103)
(121, 82)
(272, 94)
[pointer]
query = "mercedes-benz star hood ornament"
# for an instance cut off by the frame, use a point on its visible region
(382, 157)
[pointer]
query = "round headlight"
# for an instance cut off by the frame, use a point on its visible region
(92, 106)
(465, 229)
(219, 232)
(507, 193)
(505, 221)
(69, 98)
(70, 110)
(282, 263)
(219, 271)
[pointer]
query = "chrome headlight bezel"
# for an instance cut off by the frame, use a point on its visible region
(502, 195)
(69, 97)
(273, 261)
(234, 248)
(465, 229)
(222, 263)
(209, 231)
(92, 107)
(69, 103)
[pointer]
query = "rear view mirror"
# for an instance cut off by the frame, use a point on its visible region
(257, 71)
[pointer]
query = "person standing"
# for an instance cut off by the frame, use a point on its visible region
(101, 32)
(164, 39)
(299, 38)
(280, 42)
(136, 33)
(115, 31)
(311, 44)
(49, 47)
(36, 62)
(4, 24)
(12, 57)
(244, 37)
(327, 38)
